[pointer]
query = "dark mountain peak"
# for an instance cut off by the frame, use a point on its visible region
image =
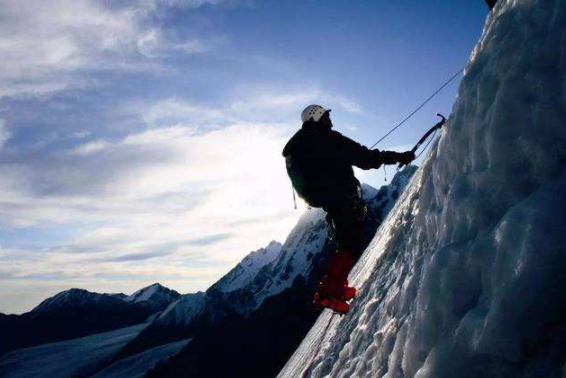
(248, 269)
(73, 298)
(155, 294)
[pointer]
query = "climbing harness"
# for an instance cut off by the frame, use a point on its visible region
(432, 130)
(419, 107)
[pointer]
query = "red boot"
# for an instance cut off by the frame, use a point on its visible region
(337, 305)
(349, 293)
(333, 290)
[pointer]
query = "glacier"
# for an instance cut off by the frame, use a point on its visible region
(84, 357)
(67, 358)
(136, 366)
(467, 275)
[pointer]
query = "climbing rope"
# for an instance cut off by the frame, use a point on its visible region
(419, 107)
(405, 120)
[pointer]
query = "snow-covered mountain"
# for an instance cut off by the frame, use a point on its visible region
(75, 298)
(466, 277)
(236, 313)
(77, 312)
(230, 320)
(230, 298)
(232, 290)
(180, 312)
(248, 268)
(154, 295)
(264, 320)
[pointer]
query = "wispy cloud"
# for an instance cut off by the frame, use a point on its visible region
(168, 200)
(208, 240)
(47, 47)
(153, 44)
(136, 257)
(191, 171)
(4, 134)
(178, 195)
(264, 103)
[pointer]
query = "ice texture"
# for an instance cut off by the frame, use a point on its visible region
(467, 276)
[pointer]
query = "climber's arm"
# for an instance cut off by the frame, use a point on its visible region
(364, 158)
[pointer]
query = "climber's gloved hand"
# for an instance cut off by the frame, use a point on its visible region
(405, 158)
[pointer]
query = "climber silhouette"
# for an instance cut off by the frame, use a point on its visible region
(319, 162)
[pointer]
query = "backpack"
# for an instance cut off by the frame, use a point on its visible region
(303, 183)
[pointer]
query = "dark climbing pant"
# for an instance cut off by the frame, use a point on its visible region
(346, 218)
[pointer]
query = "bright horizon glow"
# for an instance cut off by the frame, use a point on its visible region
(141, 142)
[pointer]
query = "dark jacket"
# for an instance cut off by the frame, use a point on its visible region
(319, 162)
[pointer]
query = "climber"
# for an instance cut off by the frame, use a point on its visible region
(319, 162)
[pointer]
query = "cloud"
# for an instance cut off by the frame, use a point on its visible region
(136, 257)
(50, 46)
(167, 249)
(173, 111)
(167, 189)
(4, 134)
(153, 44)
(168, 201)
(266, 105)
(276, 106)
(209, 240)
(181, 198)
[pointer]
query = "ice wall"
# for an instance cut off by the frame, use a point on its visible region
(467, 277)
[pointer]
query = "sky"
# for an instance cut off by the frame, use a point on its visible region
(140, 141)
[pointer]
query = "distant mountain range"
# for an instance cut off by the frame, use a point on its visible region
(76, 312)
(265, 319)
(247, 324)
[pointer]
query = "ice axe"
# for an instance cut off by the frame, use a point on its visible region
(438, 126)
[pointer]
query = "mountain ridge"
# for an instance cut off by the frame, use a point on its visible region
(73, 313)
(259, 343)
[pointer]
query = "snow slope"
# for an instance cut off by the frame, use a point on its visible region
(180, 312)
(234, 287)
(467, 276)
(136, 366)
(273, 269)
(66, 358)
(259, 344)
(248, 268)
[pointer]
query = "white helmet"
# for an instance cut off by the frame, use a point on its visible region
(313, 111)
